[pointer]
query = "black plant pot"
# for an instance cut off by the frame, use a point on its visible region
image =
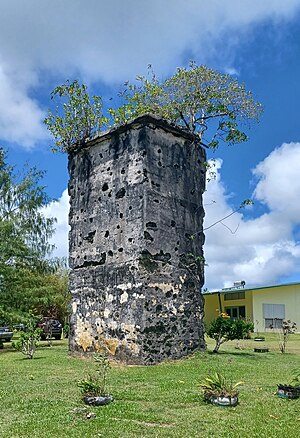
(288, 391)
(97, 400)
(261, 350)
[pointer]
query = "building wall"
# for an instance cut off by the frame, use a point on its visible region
(212, 305)
(136, 218)
(288, 295)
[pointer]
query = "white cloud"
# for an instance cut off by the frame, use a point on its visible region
(110, 41)
(60, 210)
(20, 116)
(279, 185)
(260, 250)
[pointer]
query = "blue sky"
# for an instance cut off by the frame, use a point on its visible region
(103, 43)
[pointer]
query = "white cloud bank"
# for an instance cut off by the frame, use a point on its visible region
(111, 40)
(264, 249)
(261, 250)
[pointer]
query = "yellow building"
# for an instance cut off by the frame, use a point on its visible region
(265, 306)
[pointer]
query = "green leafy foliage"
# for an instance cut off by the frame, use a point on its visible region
(95, 384)
(212, 106)
(216, 384)
(24, 231)
(224, 329)
(209, 104)
(28, 341)
(76, 116)
(28, 281)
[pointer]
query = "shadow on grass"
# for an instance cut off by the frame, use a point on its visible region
(239, 353)
(19, 359)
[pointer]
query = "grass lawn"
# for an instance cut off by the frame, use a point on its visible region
(39, 397)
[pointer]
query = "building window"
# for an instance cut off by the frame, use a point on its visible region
(274, 314)
(234, 296)
(236, 312)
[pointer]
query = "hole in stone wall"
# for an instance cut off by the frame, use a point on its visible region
(193, 192)
(108, 169)
(110, 253)
(106, 233)
(121, 215)
(159, 151)
(99, 199)
(176, 166)
(121, 193)
(159, 163)
(130, 208)
(130, 239)
(173, 223)
(91, 220)
(120, 249)
(109, 195)
(105, 187)
(103, 258)
(90, 236)
(156, 200)
(147, 236)
(118, 227)
(151, 226)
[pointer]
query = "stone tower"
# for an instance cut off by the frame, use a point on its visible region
(136, 242)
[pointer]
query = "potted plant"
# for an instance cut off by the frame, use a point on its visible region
(291, 390)
(219, 391)
(93, 388)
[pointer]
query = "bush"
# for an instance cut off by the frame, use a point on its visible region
(28, 340)
(224, 329)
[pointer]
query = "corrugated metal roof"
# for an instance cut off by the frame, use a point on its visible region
(242, 289)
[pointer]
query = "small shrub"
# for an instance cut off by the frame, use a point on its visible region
(95, 384)
(28, 341)
(224, 329)
(216, 385)
(288, 327)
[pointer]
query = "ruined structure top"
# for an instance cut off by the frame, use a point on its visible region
(136, 242)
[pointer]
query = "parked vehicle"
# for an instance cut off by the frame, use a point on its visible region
(52, 328)
(5, 334)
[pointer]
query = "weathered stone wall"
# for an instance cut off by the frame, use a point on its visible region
(136, 237)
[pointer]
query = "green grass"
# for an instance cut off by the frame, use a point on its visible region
(39, 397)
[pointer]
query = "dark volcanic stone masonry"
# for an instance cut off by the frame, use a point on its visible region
(136, 243)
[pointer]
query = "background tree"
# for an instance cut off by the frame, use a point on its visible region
(24, 237)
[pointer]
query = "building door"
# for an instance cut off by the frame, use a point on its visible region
(236, 312)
